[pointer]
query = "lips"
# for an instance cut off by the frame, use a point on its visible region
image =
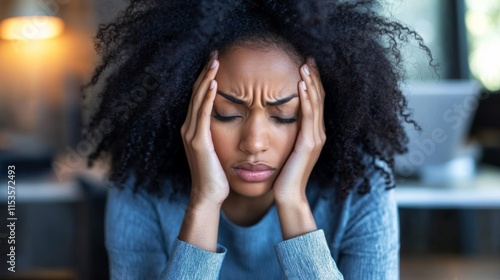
(253, 173)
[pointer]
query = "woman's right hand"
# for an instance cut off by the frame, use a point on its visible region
(209, 182)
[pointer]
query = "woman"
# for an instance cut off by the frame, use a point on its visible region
(289, 118)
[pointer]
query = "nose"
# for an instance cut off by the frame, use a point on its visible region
(255, 135)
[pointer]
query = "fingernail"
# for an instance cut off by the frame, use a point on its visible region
(214, 63)
(306, 69)
(313, 61)
(303, 84)
(212, 84)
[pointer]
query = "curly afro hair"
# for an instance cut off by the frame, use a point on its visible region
(154, 50)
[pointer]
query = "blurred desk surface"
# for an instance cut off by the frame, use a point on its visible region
(49, 192)
(483, 191)
(48, 189)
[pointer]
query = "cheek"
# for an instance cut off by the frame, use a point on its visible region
(285, 140)
(292, 137)
(224, 141)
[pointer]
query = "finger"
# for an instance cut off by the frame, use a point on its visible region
(198, 97)
(316, 77)
(196, 85)
(205, 111)
(312, 93)
(307, 112)
(308, 76)
(213, 56)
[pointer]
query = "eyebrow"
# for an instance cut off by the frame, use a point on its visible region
(273, 103)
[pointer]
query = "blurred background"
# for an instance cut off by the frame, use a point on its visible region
(448, 183)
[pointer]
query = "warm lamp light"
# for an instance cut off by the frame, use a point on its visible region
(31, 28)
(29, 20)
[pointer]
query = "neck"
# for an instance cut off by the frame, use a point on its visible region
(247, 211)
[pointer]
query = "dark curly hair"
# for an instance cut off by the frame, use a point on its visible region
(154, 50)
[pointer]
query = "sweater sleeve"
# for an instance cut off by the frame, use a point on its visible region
(136, 247)
(307, 257)
(190, 262)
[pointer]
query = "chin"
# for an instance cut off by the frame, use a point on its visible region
(251, 190)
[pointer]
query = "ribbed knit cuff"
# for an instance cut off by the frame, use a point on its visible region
(307, 257)
(190, 262)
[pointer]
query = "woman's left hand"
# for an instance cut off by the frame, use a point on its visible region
(290, 185)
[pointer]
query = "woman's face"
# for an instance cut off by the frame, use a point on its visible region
(255, 117)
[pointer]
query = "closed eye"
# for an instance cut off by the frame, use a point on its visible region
(285, 120)
(275, 118)
(225, 118)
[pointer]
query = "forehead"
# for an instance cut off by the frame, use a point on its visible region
(244, 69)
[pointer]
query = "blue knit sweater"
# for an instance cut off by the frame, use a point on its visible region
(356, 239)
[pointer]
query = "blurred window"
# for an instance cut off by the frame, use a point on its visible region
(482, 20)
(442, 26)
